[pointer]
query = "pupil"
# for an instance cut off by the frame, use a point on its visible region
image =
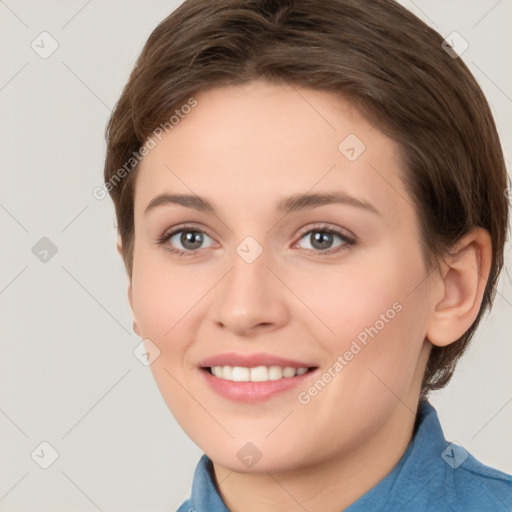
(191, 239)
(321, 240)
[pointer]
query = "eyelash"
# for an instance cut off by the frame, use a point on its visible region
(321, 228)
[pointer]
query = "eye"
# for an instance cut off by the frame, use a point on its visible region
(321, 240)
(184, 241)
(187, 240)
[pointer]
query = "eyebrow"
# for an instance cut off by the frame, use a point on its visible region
(284, 206)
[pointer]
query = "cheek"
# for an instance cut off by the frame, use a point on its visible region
(376, 314)
(163, 305)
(170, 304)
(354, 296)
(159, 296)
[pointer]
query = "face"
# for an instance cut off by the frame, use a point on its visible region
(260, 269)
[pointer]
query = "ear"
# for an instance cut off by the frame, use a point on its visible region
(130, 299)
(119, 245)
(130, 293)
(460, 288)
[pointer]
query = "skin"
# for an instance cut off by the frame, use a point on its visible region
(243, 149)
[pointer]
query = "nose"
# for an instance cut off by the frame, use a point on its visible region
(250, 299)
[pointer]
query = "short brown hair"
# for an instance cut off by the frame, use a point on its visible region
(376, 54)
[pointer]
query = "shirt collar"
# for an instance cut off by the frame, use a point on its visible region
(409, 476)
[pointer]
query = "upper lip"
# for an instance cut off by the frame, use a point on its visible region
(251, 360)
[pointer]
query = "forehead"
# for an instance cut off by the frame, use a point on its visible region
(261, 141)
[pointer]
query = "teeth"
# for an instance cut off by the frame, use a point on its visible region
(241, 374)
(289, 372)
(257, 373)
(275, 373)
(227, 372)
(217, 371)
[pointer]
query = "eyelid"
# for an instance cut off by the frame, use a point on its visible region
(184, 227)
(319, 226)
(348, 239)
(169, 233)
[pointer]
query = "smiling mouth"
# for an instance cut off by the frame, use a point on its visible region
(256, 373)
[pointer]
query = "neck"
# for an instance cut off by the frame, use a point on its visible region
(342, 479)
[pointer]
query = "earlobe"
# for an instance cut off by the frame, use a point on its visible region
(463, 279)
(130, 293)
(130, 300)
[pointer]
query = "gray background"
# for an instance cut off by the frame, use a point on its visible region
(68, 375)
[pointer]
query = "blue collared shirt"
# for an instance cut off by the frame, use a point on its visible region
(432, 475)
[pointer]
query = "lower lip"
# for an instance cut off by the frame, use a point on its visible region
(253, 391)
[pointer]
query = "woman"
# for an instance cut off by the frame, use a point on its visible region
(311, 203)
